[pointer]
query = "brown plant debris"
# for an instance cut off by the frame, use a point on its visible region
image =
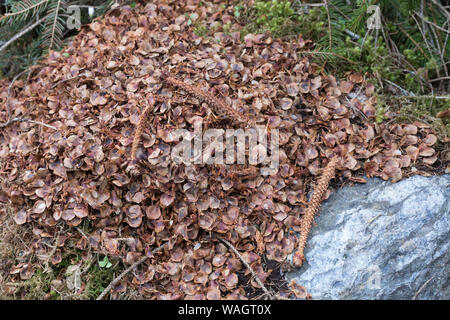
(220, 108)
(126, 271)
(85, 174)
(143, 119)
(313, 207)
(255, 276)
(7, 103)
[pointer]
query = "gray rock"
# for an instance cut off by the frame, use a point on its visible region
(381, 241)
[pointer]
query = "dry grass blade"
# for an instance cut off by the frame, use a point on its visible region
(8, 109)
(126, 271)
(255, 276)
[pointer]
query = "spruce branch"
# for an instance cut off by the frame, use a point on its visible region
(329, 25)
(126, 271)
(21, 33)
(22, 10)
(52, 34)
